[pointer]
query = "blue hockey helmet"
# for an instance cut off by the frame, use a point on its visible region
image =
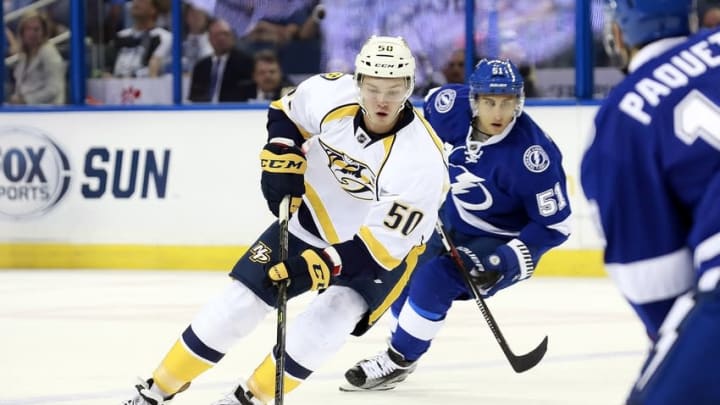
(643, 21)
(497, 77)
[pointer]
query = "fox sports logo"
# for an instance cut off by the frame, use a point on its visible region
(34, 172)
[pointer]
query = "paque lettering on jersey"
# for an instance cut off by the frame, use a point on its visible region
(355, 177)
(34, 172)
(687, 63)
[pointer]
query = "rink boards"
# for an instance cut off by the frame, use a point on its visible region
(172, 189)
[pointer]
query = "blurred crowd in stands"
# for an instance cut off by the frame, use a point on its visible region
(256, 50)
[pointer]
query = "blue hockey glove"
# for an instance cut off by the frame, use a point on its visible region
(283, 173)
(512, 261)
(481, 277)
(312, 267)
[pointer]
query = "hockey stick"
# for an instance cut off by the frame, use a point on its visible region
(281, 303)
(518, 363)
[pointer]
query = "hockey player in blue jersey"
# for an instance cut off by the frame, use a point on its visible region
(507, 207)
(652, 173)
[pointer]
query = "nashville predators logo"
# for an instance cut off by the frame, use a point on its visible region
(354, 177)
(260, 253)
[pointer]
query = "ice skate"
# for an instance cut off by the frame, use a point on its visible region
(145, 396)
(382, 372)
(239, 396)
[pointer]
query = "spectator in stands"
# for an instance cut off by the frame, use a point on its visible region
(711, 17)
(268, 82)
(144, 49)
(11, 44)
(295, 37)
(40, 70)
(222, 76)
(527, 71)
(197, 42)
(454, 69)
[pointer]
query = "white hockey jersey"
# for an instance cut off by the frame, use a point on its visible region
(385, 190)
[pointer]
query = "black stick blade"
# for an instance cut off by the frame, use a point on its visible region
(529, 360)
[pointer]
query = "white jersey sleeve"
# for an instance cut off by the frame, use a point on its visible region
(308, 105)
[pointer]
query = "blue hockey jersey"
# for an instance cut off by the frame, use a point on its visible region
(652, 171)
(511, 186)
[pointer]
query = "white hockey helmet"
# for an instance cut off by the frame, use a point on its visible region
(387, 57)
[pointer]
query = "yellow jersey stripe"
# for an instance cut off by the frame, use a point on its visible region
(435, 138)
(317, 207)
(377, 250)
(410, 264)
(348, 110)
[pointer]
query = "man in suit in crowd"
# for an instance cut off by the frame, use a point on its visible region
(221, 76)
(268, 82)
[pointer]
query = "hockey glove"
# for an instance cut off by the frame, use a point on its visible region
(313, 267)
(512, 261)
(283, 173)
(481, 277)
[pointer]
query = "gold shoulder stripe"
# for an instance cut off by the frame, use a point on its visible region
(377, 250)
(435, 137)
(347, 110)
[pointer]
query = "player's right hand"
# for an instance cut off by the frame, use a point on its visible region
(481, 276)
(312, 267)
(283, 173)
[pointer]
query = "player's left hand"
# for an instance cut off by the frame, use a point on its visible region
(283, 173)
(512, 261)
(311, 268)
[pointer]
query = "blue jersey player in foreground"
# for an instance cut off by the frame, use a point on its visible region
(652, 173)
(506, 208)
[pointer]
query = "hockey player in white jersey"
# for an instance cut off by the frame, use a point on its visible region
(367, 176)
(507, 207)
(652, 173)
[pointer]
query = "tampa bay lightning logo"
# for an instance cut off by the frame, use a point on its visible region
(355, 177)
(536, 159)
(445, 100)
(469, 192)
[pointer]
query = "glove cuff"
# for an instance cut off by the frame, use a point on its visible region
(333, 259)
(284, 141)
(519, 253)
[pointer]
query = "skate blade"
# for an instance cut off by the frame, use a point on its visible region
(351, 388)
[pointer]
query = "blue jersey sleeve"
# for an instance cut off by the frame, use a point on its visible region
(542, 188)
(448, 110)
